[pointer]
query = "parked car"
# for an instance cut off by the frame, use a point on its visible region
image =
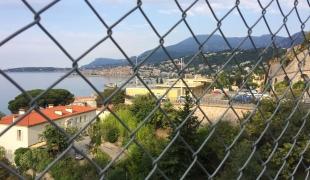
(78, 156)
(243, 92)
(182, 99)
(243, 99)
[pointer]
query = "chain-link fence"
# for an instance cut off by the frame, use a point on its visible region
(269, 140)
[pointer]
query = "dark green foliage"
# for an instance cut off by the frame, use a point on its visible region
(17, 156)
(280, 87)
(160, 119)
(118, 98)
(55, 140)
(112, 135)
(117, 174)
(138, 164)
(178, 157)
(4, 173)
(299, 85)
(53, 96)
(34, 159)
(297, 88)
(239, 155)
(223, 81)
(142, 106)
(212, 153)
(70, 169)
(101, 158)
(94, 133)
(277, 124)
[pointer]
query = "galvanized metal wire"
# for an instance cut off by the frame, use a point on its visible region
(183, 20)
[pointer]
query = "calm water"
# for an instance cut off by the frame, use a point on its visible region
(28, 81)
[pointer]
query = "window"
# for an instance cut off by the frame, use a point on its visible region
(80, 119)
(19, 135)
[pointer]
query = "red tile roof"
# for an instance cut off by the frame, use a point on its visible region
(34, 118)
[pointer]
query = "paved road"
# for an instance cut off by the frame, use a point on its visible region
(111, 149)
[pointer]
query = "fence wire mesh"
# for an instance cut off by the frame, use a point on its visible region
(270, 141)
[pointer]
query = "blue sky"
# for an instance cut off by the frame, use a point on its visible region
(73, 24)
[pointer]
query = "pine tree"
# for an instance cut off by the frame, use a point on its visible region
(179, 157)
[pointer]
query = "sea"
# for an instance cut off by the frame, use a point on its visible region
(42, 80)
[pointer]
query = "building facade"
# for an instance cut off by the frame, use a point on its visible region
(26, 133)
(85, 101)
(197, 85)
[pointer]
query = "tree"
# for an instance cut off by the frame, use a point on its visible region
(142, 106)
(280, 87)
(68, 169)
(34, 159)
(117, 98)
(95, 133)
(56, 141)
(53, 96)
(160, 119)
(4, 173)
(223, 81)
(299, 87)
(18, 156)
(277, 124)
(178, 157)
(101, 158)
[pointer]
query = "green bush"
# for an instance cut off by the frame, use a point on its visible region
(18, 155)
(112, 135)
(101, 158)
(116, 174)
(69, 169)
(111, 122)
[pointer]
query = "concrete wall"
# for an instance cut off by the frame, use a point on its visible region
(215, 112)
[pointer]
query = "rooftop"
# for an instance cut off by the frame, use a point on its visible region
(54, 113)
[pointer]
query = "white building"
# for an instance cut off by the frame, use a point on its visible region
(26, 132)
(85, 101)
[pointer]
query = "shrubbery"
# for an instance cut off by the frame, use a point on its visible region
(112, 135)
(214, 142)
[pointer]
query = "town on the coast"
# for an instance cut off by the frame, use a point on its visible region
(123, 121)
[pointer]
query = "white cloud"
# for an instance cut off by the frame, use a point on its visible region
(169, 11)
